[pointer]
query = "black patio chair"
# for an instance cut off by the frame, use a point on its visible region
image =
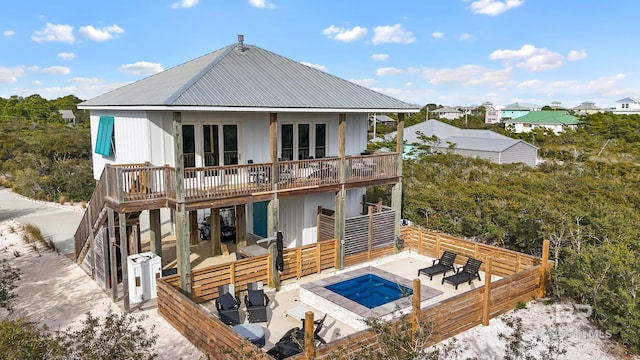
(467, 273)
(440, 266)
(227, 305)
(256, 302)
(292, 342)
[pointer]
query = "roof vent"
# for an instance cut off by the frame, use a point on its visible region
(241, 42)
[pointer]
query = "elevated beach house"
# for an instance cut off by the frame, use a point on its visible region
(240, 127)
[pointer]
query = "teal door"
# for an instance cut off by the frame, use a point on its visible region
(260, 218)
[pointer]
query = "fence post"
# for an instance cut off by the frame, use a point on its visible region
(437, 254)
(318, 224)
(486, 305)
(544, 263)
(419, 240)
(415, 314)
(309, 338)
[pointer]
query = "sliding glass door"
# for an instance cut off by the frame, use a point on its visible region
(220, 147)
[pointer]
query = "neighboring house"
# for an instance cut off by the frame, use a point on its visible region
(241, 127)
(381, 119)
(492, 113)
(484, 144)
(557, 105)
(516, 110)
(68, 116)
(468, 110)
(587, 108)
(446, 112)
(556, 120)
(627, 106)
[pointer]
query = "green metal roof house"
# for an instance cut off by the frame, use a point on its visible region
(557, 121)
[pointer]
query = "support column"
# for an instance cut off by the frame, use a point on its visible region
(241, 226)
(124, 253)
(182, 231)
(341, 195)
(396, 192)
(113, 260)
(273, 208)
(215, 236)
(193, 227)
(155, 233)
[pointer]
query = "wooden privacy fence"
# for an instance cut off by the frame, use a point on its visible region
(366, 236)
(206, 332)
(451, 316)
(298, 262)
(432, 244)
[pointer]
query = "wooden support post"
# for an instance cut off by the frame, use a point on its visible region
(486, 302)
(340, 216)
(274, 278)
(113, 260)
(415, 312)
(318, 222)
(183, 250)
(122, 222)
(193, 227)
(370, 232)
(544, 269)
(241, 225)
(155, 232)
(215, 235)
(379, 205)
(396, 191)
(309, 338)
(438, 250)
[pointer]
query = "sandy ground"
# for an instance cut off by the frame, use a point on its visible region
(55, 291)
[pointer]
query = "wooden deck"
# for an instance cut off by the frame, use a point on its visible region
(136, 188)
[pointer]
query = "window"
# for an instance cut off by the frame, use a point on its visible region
(321, 140)
(188, 146)
(105, 140)
(214, 141)
(303, 141)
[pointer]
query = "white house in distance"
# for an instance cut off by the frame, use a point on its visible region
(627, 106)
(447, 112)
(587, 108)
(239, 127)
(556, 120)
(484, 144)
(492, 113)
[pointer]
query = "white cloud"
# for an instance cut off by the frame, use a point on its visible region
(469, 75)
(576, 55)
(392, 34)
(390, 71)
(54, 32)
(345, 35)
(67, 56)
(142, 68)
(494, 7)
(529, 57)
(261, 4)
(380, 57)
(56, 70)
(315, 66)
(437, 35)
(464, 36)
(604, 85)
(101, 34)
(8, 33)
(184, 4)
(10, 75)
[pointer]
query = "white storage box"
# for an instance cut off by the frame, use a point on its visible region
(143, 270)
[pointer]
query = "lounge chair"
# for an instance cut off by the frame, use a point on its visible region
(227, 305)
(256, 301)
(292, 342)
(467, 273)
(440, 266)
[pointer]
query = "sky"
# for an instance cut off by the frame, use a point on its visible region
(447, 52)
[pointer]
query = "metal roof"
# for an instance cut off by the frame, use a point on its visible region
(243, 78)
(552, 117)
(441, 131)
(482, 144)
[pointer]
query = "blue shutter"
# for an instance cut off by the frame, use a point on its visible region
(105, 132)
